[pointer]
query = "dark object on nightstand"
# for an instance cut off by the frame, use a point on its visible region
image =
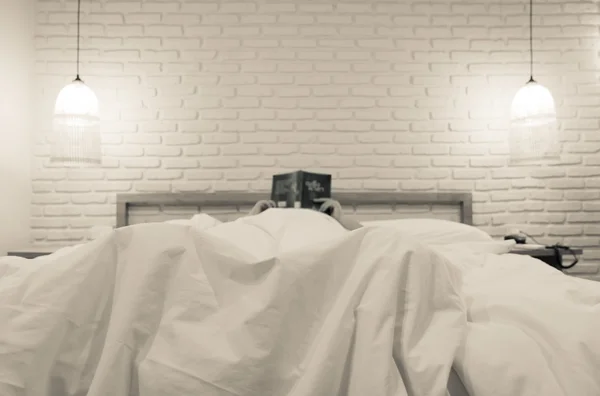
(555, 256)
(519, 239)
(31, 253)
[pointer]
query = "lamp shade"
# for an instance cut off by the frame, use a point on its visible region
(76, 126)
(533, 105)
(533, 129)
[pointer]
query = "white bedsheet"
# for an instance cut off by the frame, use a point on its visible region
(532, 330)
(290, 303)
(171, 309)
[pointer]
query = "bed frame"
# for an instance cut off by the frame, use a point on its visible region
(463, 202)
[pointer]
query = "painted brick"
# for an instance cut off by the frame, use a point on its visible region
(356, 150)
(216, 162)
(508, 196)
(450, 162)
(528, 183)
(122, 174)
(258, 137)
(72, 187)
(296, 162)
(547, 195)
(397, 174)
(336, 162)
(242, 174)
(457, 185)
(89, 175)
(508, 173)
(70, 236)
(259, 162)
(313, 126)
(474, 174)
(89, 222)
(582, 195)
(388, 185)
(426, 174)
(374, 162)
(181, 140)
(202, 151)
(567, 184)
(180, 163)
(219, 138)
(154, 186)
(164, 151)
(492, 185)
(418, 185)
(47, 199)
(589, 206)
(566, 206)
(85, 199)
(548, 218)
(543, 173)
(163, 174)
(317, 149)
(563, 231)
(233, 126)
(260, 185)
(116, 186)
(191, 186)
(430, 149)
(49, 175)
(587, 172)
(487, 162)
(234, 186)
(592, 183)
(62, 211)
(140, 163)
(42, 187)
(44, 223)
(203, 174)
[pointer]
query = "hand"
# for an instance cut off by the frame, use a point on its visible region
(330, 206)
(261, 206)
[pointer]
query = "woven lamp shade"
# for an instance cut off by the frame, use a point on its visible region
(76, 126)
(533, 126)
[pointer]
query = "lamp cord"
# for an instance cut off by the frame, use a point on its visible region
(78, 37)
(531, 41)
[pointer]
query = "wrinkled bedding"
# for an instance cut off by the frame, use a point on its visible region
(290, 303)
(531, 329)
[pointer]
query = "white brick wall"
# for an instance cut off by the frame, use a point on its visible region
(384, 95)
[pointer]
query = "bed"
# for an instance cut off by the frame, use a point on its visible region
(417, 302)
(363, 206)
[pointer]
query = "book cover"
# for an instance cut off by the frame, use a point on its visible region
(299, 189)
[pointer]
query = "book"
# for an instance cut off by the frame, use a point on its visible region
(299, 189)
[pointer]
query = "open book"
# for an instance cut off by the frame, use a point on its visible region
(299, 189)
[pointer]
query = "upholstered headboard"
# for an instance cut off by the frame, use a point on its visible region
(226, 206)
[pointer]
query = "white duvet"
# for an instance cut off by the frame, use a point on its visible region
(290, 303)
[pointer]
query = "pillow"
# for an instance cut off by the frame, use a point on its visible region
(434, 231)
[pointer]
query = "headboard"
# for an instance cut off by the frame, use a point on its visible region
(226, 206)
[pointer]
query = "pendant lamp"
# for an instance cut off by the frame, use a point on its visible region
(76, 121)
(533, 131)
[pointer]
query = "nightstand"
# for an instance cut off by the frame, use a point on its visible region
(549, 256)
(32, 252)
